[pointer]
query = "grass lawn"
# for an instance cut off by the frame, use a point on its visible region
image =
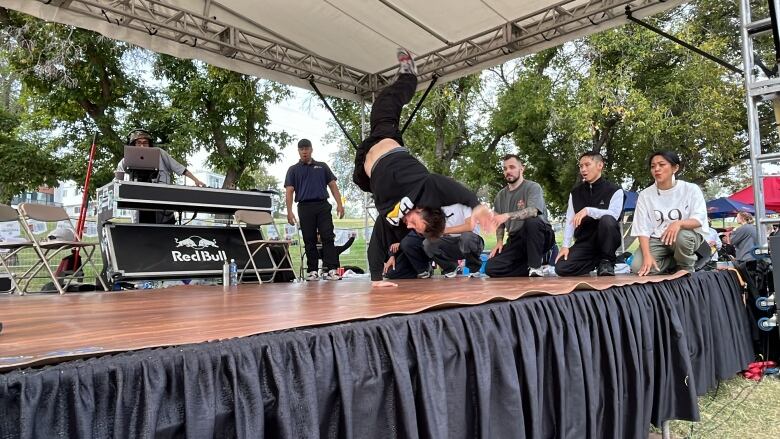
(738, 409)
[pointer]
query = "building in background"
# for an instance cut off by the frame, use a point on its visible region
(43, 195)
(212, 179)
(68, 195)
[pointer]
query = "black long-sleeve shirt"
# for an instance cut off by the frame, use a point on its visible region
(400, 175)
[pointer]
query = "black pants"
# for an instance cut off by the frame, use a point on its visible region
(447, 250)
(385, 119)
(382, 237)
(587, 252)
(410, 259)
(525, 249)
(316, 217)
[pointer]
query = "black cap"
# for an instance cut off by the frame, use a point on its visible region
(304, 143)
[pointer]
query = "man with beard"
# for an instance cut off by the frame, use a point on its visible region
(598, 204)
(522, 213)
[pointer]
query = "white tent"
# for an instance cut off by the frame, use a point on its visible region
(346, 46)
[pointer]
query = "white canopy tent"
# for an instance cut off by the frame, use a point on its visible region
(346, 47)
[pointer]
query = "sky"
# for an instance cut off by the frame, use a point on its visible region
(301, 116)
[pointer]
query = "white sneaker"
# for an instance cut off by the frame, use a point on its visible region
(477, 275)
(312, 275)
(535, 272)
(331, 275)
(451, 274)
(405, 61)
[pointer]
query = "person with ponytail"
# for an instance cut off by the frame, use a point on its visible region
(670, 220)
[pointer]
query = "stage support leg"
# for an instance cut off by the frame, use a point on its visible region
(667, 433)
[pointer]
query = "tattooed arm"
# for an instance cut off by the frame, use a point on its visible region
(528, 212)
(501, 220)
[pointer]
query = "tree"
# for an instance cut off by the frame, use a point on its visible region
(440, 131)
(73, 82)
(225, 112)
(261, 180)
(342, 163)
(625, 93)
(440, 135)
(25, 165)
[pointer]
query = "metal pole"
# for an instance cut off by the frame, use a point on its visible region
(681, 42)
(332, 113)
(85, 197)
(420, 102)
(84, 203)
(363, 135)
(774, 6)
(754, 136)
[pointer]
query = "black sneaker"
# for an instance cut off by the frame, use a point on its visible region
(606, 268)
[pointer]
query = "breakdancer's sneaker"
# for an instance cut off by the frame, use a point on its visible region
(424, 275)
(312, 275)
(331, 275)
(535, 272)
(406, 62)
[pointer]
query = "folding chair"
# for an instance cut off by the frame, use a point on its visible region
(248, 218)
(9, 250)
(47, 250)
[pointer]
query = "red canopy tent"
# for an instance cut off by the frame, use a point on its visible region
(771, 194)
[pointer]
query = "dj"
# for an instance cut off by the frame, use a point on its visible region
(168, 165)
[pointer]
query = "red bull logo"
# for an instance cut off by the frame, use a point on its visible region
(197, 244)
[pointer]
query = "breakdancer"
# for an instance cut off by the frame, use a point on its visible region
(404, 191)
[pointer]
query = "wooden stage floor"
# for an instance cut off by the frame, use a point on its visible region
(41, 329)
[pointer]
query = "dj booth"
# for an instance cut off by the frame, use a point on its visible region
(162, 251)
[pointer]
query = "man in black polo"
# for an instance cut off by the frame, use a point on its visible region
(592, 220)
(308, 179)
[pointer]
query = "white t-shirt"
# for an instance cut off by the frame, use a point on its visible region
(656, 209)
(456, 215)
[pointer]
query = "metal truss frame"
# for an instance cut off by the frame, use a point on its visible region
(268, 50)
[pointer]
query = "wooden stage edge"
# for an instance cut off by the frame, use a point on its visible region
(44, 329)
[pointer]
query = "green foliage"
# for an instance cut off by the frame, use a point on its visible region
(625, 93)
(25, 165)
(225, 112)
(441, 129)
(259, 178)
(73, 83)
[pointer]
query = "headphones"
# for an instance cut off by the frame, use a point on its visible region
(137, 133)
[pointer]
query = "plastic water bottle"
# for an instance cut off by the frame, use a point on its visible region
(233, 272)
(226, 275)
